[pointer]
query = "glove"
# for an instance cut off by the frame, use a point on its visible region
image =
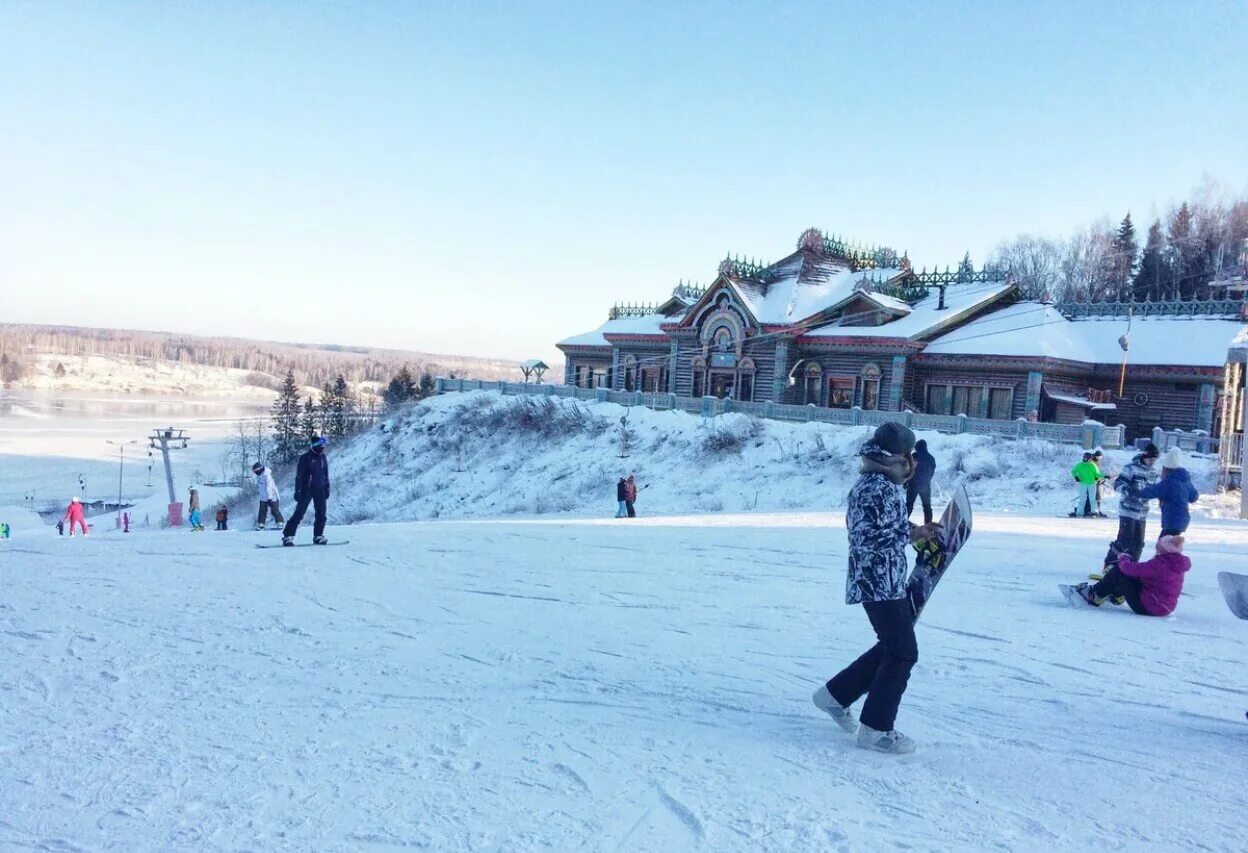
(1123, 558)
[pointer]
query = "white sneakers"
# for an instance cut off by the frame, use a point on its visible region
(894, 742)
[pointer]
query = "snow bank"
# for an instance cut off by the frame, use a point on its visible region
(482, 454)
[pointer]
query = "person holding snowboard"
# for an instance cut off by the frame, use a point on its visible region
(920, 485)
(1086, 475)
(1174, 492)
(311, 487)
(223, 517)
(1151, 588)
(1135, 476)
(75, 516)
(266, 488)
(630, 495)
(621, 497)
(879, 532)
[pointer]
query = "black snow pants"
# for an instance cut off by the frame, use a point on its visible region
(318, 523)
(923, 492)
(1130, 541)
(883, 670)
(1116, 583)
(265, 508)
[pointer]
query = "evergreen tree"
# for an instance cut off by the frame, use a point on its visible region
(1148, 279)
(1125, 251)
(1181, 254)
(325, 411)
(427, 385)
(310, 421)
(287, 440)
(965, 268)
(343, 407)
(401, 389)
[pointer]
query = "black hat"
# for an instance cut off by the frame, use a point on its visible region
(257, 468)
(895, 438)
(1151, 451)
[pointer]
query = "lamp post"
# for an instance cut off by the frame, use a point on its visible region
(121, 459)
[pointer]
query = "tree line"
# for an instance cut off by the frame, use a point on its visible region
(1202, 240)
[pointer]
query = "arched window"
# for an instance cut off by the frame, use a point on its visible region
(869, 387)
(699, 377)
(745, 380)
(814, 380)
(630, 373)
(723, 339)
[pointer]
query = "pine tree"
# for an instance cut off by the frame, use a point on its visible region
(1125, 251)
(1181, 254)
(401, 389)
(1148, 277)
(343, 407)
(286, 413)
(966, 269)
(427, 385)
(310, 421)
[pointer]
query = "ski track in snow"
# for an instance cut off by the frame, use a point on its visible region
(629, 686)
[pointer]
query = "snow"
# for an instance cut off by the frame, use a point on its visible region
(22, 520)
(790, 298)
(144, 376)
(648, 324)
(601, 684)
(924, 317)
(1037, 330)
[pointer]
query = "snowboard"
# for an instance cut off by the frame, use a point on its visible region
(305, 544)
(936, 555)
(1235, 591)
(1072, 596)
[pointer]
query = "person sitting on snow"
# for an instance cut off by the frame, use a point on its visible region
(1151, 588)
(1174, 492)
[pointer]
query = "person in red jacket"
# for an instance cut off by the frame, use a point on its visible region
(74, 515)
(1151, 588)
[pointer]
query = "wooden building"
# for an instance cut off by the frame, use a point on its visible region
(838, 325)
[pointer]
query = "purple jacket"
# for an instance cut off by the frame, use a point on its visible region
(1162, 579)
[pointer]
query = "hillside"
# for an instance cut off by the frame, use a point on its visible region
(482, 454)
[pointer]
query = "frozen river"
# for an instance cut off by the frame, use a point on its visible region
(48, 441)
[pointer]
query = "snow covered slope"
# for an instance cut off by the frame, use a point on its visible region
(114, 373)
(481, 454)
(601, 685)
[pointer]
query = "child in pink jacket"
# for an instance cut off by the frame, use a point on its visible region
(1151, 588)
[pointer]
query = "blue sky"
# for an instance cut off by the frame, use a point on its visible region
(488, 178)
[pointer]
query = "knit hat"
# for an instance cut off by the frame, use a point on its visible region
(319, 441)
(1170, 545)
(1151, 451)
(894, 438)
(1172, 459)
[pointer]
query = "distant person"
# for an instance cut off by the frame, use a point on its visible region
(75, 516)
(4, 530)
(311, 487)
(194, 516)
(1174, 492)
(1086, 476)
(1098, 456)
(223, 517)
(266, 489)
(920, 485)
(1135, 476)
(125, 522)
(630, 495)
(60, 527)
(621, 497)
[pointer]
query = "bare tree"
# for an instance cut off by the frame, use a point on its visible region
(1036, 263)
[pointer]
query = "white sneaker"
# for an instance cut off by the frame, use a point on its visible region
(843, 717)
(893, 742)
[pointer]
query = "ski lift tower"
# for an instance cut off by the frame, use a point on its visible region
(164, 439)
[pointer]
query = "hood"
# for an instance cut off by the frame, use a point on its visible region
(877, 460)
(1180, 474)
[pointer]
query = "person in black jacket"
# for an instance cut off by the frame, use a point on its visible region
(311, 487)
(621, 497)
(920, 485)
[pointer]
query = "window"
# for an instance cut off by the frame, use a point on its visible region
(699, 377)
(937, 399)
(1000, 403)
(810, 388)
(630, 373)
(745, 380)
(583, 375)
(869, 399)
(974, 401)
(840, 392)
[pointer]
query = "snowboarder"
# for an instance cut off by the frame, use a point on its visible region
(630, 495)
(75, 516)
(621, 497)
(311, 487)
(920, 485)
(878, 567)
(1174, 492)
(1151, 588)
(1134, 477)
(266, 488)
(223, 517)
(193, 516)
(1098, 457)
(1086, 475)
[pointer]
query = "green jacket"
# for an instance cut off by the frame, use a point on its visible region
(1086, 472)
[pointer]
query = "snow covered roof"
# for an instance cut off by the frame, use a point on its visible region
(649, 324)
(1239, 347)
(924, 318)
(534, 364)
(1079, 401)
(1032, 329)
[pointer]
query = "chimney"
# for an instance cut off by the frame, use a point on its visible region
(941, 305)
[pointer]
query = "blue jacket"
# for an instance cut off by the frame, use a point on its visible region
(312, 476)
(1134, 477)
(1174, 492)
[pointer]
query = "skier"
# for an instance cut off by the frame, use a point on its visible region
(630, 495)
(266, 488)
(194, 517)
(60, 527)
(878, 565)
(311, 487)
(621, 497)
(1134, 477)
(1151, 588)
(74, 515)
(920, 485)
(1174, 492)
(223, 517)
(1086, 475)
